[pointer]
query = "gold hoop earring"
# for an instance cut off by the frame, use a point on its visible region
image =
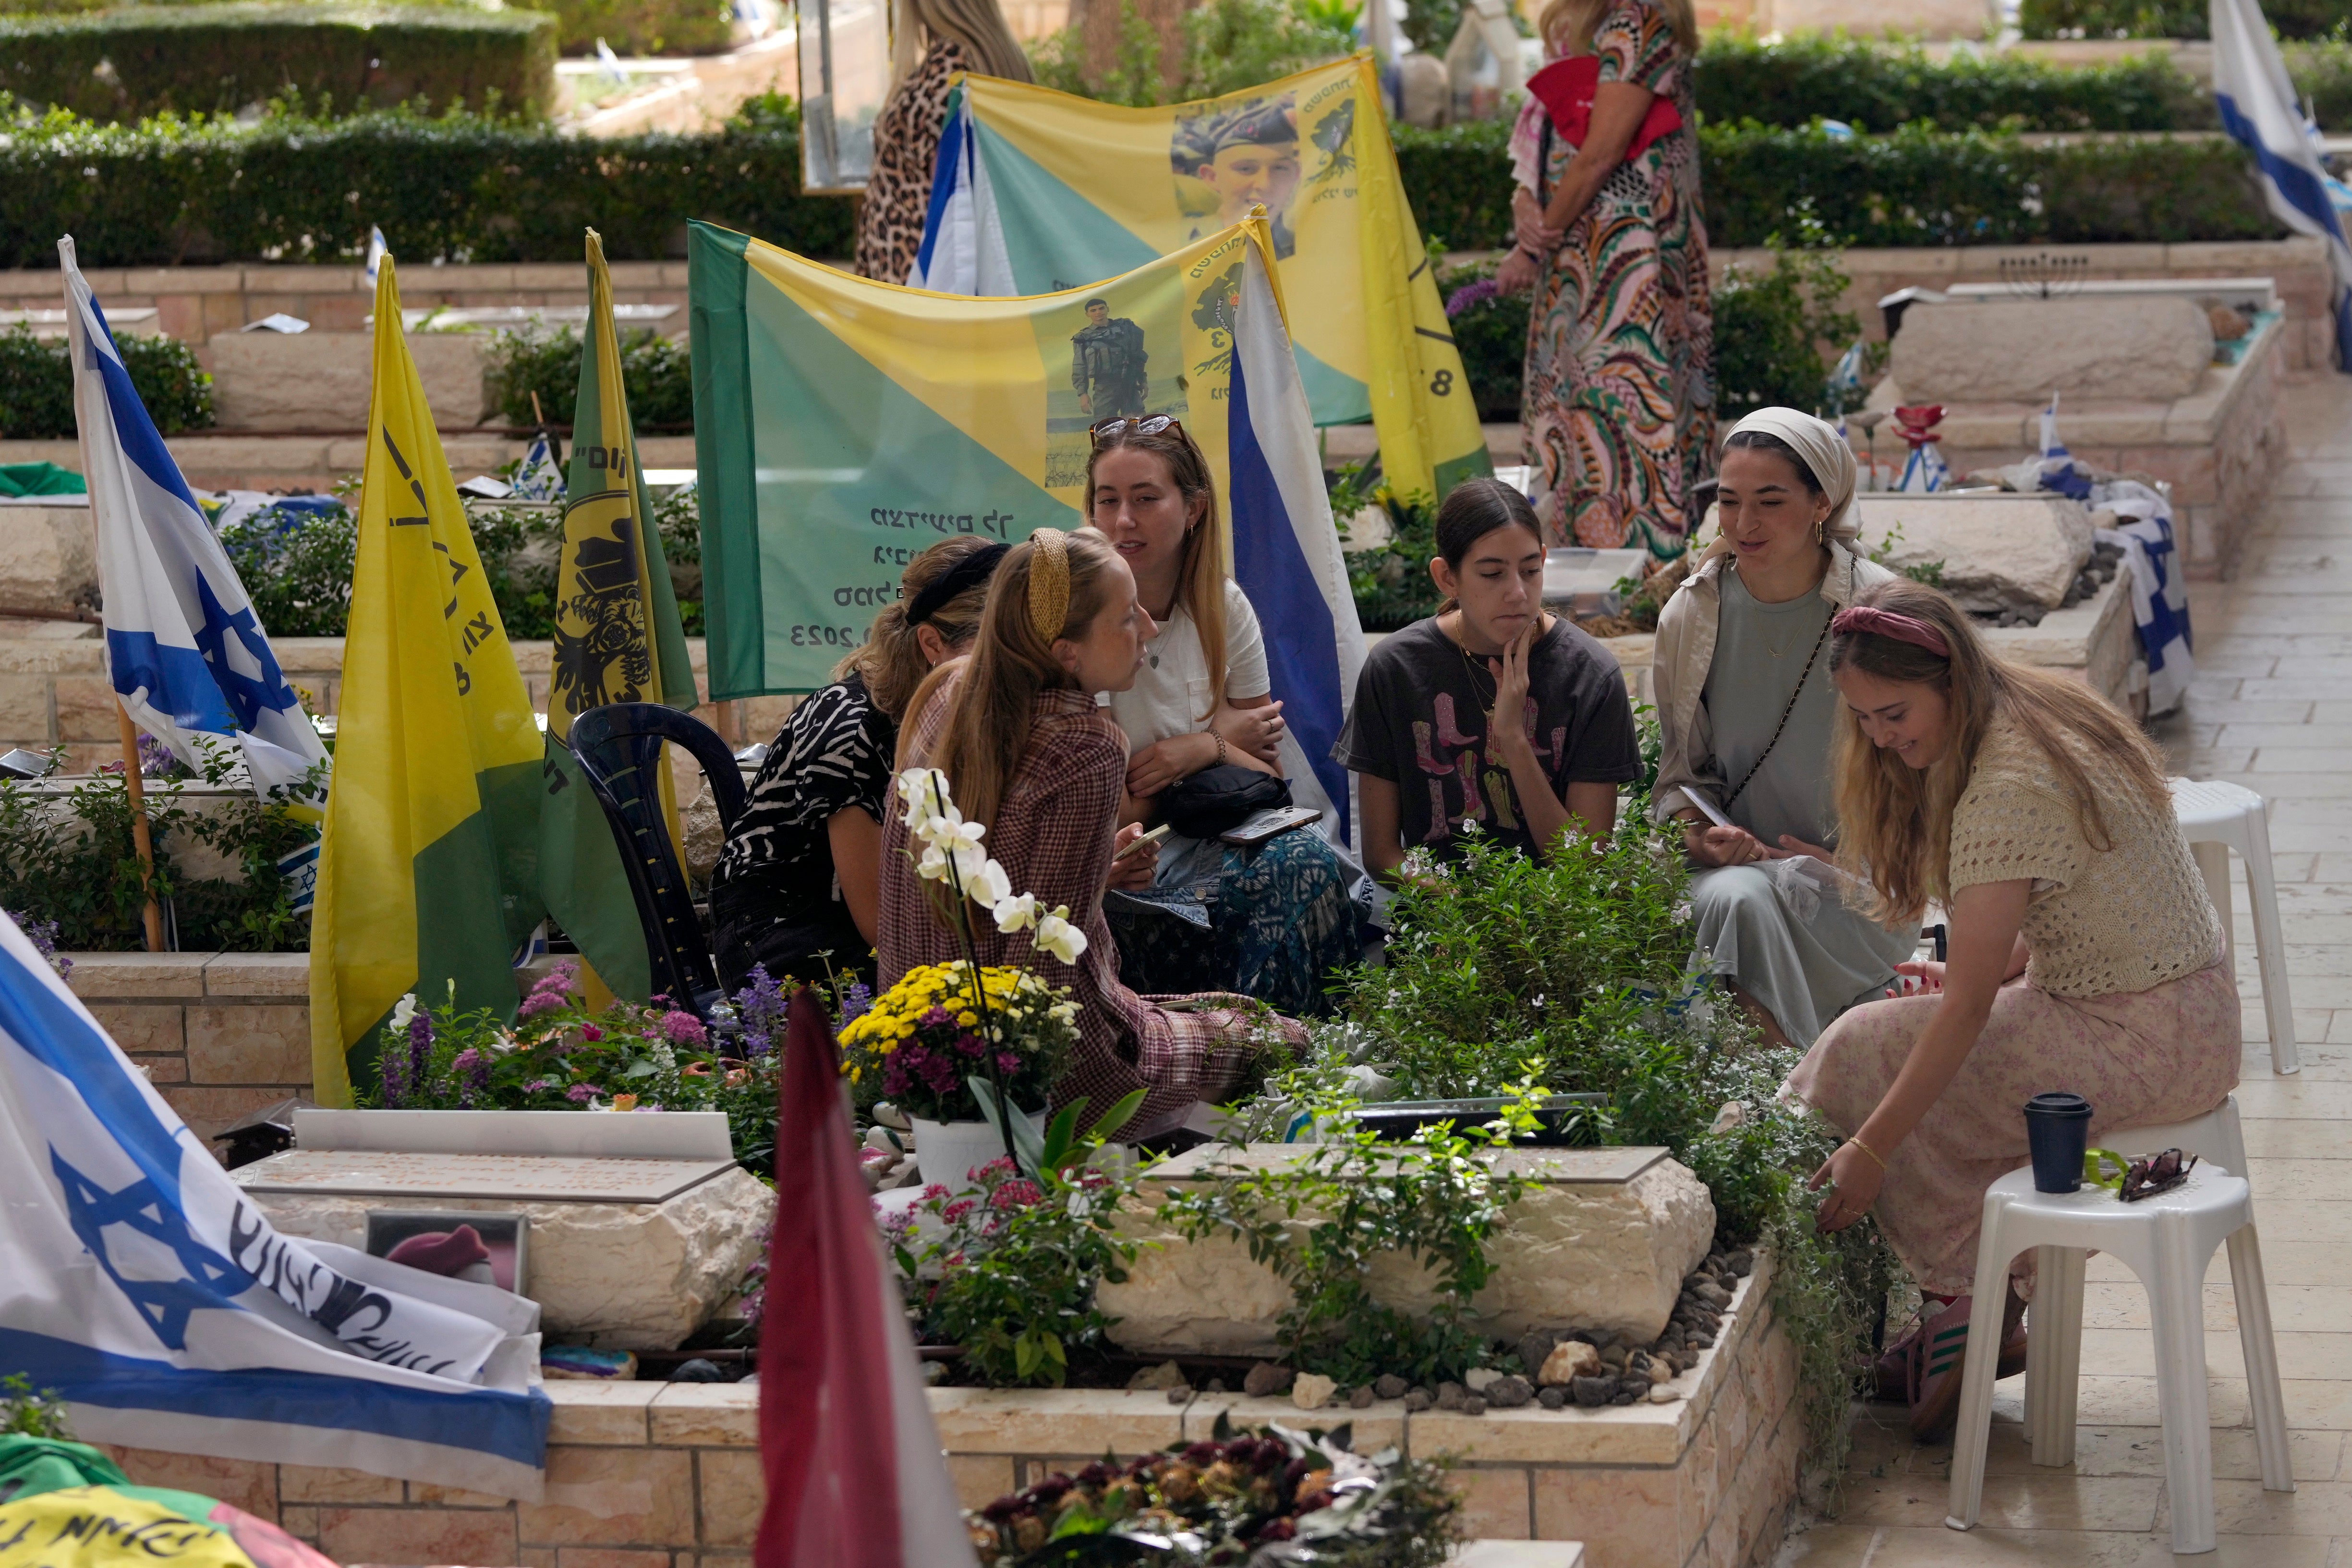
(1821, 532)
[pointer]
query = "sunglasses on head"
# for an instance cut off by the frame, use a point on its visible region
(1151, 426)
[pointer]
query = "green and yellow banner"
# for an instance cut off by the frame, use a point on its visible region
(1040, 192)
(617, 639)
(427, 873)
(843, 426)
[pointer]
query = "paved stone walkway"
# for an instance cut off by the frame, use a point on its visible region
(2272, 709)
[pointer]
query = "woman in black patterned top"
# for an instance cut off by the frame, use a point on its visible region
(795, 885)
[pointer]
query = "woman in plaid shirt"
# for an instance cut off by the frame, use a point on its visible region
(1015, 729)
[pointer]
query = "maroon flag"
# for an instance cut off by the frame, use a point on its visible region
(854, 1475)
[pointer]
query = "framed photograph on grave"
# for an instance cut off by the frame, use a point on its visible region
(487, 1249)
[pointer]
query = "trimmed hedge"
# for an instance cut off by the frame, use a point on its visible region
(459, 188)
(2172, 18)
(154, 60)
(640, 26)
(37, 384)
(1874, 88)
(464, 188)
(1915, 186)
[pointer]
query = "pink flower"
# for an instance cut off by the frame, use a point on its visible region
(958, 1210)
(1000, 1166)
(581, 1093)
(934, 1192)
(591, 1032)
(685, 1029)
(1018, 1194)
(540, 1002)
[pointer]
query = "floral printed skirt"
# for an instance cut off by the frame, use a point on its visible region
(2140, 1058)
(1279, 920)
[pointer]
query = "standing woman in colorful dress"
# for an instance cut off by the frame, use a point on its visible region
(937, 38)
(1619, 399)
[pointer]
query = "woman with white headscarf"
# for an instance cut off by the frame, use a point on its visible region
(1744, 707)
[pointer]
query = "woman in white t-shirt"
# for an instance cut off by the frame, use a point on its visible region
(1280, 916)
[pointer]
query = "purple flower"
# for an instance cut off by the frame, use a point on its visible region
(540, 1002)
(420, 1047)
(539, 1085)
(474, 1069)
(939, 1072)
(968, 1044)
(761, 1005)
(684, 1029)
(581, 1093)
(1468, 295)
(855, 1002)
(1007, 1063)
(937, 1017)
(894, 1078)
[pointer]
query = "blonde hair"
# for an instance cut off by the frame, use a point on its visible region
(976, 27)
(1201, 570)
(986, 730)
(891, 660)
(1565, 26)
(1895, 821)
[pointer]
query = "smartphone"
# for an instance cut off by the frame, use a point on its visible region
(1259, 826)
(1154, 837)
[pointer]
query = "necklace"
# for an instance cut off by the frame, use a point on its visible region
(1470, 667)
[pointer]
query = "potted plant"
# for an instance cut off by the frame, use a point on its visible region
(958, 1045)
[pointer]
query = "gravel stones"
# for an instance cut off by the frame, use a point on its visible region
(1473, 1405)
(1569, 1360)
(1478, 1379)
(1592, 1393)
(1166, 1376)
(1266, 1378)
(1509, 1393)
(1312, 1391)
(1553, 1398)
(1535, 1347)
(1419, 1399)
(1449, 1396)
(1362, 1398)
(1389, 1385)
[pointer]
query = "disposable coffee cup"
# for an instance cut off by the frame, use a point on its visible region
(2058, 1130)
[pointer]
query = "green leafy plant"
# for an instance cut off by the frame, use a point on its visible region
(1391, 582)
(1227, 45)
(1010, 1276)
(26, 1413)
(1321, 1222)
(546, 361)
(1775, 331)
(1929, 572)
(36, 384)
(1490, 329)
(71, 859)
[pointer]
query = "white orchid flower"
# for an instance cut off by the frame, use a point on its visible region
(1015, 913)
(926, 798)
(404, 1010)
(989, 886)
(951, 833)
(933, 865)
(1058, 936)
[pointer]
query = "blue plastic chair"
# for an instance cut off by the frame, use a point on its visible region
(618, 747)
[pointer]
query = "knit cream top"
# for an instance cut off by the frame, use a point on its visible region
(2098, 923)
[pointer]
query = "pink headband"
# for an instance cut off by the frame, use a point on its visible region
(1888, 624)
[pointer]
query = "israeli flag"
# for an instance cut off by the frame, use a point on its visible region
(964, 249)
(2159, 588)
(189, 660)
(1286, 550)
(138, 1281)
(376, 251)
(539, 479)
(2257, 103)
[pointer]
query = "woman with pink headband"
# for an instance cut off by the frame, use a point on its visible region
(2085, 955)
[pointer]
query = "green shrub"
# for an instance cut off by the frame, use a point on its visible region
(2172, 19)
(151, 59)
(640, 26)
(1229, 46)
(298, 565)
(1875, 88)
(37, 384)
(1491, 331)
(657, 372)
(1458, 179)
(1776, 331)
(460, 187)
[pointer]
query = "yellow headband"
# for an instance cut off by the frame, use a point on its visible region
(1049, 581)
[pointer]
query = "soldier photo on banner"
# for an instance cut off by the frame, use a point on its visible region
(1109, 363)
(1236, 158)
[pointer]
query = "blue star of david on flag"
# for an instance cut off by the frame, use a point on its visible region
(140, 1207)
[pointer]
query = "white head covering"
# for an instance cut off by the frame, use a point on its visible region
(1823, 451)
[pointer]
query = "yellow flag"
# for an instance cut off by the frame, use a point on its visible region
(427, 873)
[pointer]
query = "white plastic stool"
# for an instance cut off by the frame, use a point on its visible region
(2218, 817)
(2165, 1240)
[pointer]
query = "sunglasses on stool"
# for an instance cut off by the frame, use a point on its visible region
(1151, 426)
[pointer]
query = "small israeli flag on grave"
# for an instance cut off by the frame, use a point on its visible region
(189, 658)
(376, 251)
(138, 1282)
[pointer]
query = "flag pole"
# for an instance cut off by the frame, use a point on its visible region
(135, 782)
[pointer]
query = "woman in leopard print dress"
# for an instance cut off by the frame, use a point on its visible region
(952, 36)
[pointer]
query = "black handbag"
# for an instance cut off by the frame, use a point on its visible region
(1218, 799)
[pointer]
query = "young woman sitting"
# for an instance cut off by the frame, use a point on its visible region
(1281, 920)
(1746, 708)
(1494, 716)
(1027, 753)
(794, 887)
(2084, 955)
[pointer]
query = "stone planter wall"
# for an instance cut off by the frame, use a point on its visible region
(647, 1475)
